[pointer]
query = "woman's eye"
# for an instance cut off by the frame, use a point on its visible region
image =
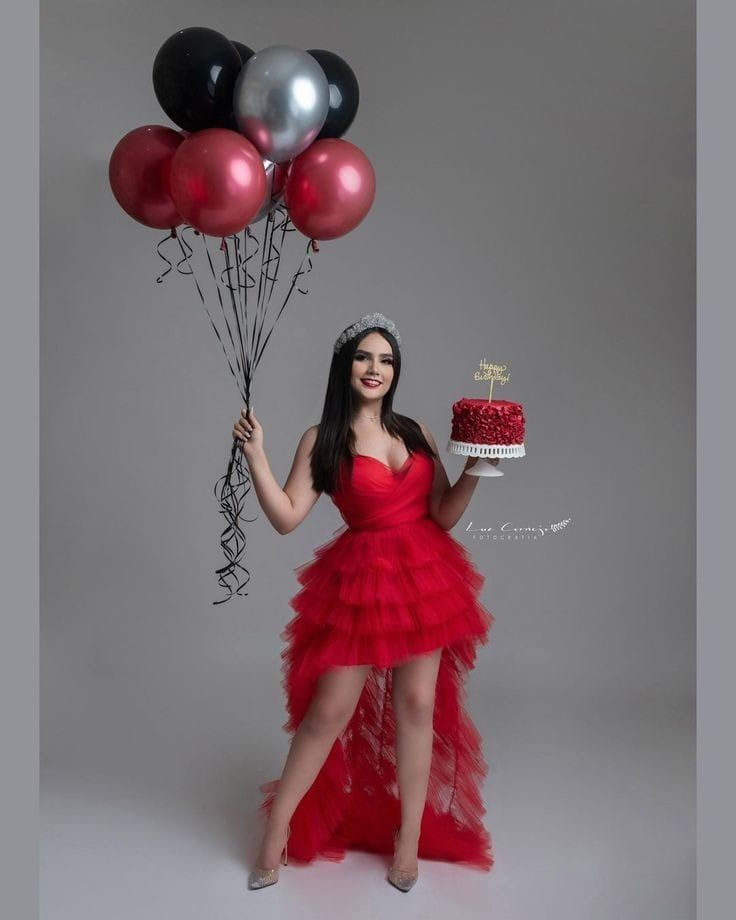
(365, 358)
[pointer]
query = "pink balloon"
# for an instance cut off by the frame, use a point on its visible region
(139, 175)
(217, 181)
(329, 189)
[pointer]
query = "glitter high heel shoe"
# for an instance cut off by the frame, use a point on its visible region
(262, 878)
(398, 878)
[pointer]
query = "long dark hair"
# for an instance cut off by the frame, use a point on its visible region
(335, 441)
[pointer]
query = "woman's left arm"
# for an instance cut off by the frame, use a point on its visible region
(447, 503)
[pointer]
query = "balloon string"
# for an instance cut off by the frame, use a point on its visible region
(274, 252)
(171, 234)
(249, 282)
(285, 228)
(248, 276)
(184, 261)
(311, 244)
(227, 325)
(266, 260)
(222, 310)
(204, 304)
(249, 235)
(260, 248)
(246, 368)
(243, 301)
(277, 248)
(266, 229)
(243, 326)
(232, 489)
(185, 258)
(314, 246)
(234, 305)
(265, 263)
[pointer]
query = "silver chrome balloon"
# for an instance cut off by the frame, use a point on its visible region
(273, 192)
(280, 101)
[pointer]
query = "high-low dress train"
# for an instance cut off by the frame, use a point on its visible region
(392, 584)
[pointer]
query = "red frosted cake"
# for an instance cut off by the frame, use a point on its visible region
(487, 429)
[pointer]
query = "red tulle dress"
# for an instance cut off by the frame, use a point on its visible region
(392, 584)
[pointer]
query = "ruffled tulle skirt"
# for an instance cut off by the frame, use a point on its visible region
(380, 597)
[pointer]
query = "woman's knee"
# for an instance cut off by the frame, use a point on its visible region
(416, 704)
(327, 714)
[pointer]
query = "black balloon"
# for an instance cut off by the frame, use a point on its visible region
(344, 93)
(243, 50)
(194, 75)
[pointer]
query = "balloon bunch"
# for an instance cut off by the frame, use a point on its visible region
(260, 140)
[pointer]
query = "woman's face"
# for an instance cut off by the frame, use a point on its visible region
(373, 361)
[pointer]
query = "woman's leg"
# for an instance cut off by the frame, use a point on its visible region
(331, 708)
(413, 694)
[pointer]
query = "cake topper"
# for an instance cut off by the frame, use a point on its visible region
(492, 372)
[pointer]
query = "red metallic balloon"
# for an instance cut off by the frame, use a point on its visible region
(329, 189)
(139, 175)
(217, 181)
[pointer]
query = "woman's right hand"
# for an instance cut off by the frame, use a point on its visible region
(247, 429)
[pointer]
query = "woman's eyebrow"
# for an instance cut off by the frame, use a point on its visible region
(362, 351)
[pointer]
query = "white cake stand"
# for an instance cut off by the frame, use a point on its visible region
(486, 452)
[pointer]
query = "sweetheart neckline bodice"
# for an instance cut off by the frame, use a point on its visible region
(384, 464)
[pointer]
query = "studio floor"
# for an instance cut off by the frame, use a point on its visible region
(591, 811)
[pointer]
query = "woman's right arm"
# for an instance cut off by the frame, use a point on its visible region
(285, 508)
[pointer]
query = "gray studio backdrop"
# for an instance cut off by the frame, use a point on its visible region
(535, 207)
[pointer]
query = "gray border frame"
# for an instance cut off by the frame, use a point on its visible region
(19, 381)
(716, 332)
(19, 461)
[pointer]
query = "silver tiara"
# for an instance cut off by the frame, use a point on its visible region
(369, 321)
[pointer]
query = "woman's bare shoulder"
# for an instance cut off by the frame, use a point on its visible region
(308, 439)
(428, 435)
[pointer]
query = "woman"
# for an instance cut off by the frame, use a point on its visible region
(384, 756)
